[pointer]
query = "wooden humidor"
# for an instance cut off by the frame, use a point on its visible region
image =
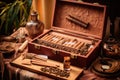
(78, 39)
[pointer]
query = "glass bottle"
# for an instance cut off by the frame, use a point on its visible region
(66, 63)
(34, 27)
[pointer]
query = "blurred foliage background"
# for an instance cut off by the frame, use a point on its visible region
(13, 14)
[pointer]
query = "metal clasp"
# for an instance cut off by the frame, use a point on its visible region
(37, 47)
(55, 51)
(73, 56)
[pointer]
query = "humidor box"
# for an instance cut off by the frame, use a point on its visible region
(77, 31)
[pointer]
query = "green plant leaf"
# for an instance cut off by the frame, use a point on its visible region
(14, 14)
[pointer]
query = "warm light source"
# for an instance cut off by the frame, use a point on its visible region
(44, 9)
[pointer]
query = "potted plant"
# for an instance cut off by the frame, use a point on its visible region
(13, 15)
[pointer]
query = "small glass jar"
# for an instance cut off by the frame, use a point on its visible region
(66, 64)
(34, 26)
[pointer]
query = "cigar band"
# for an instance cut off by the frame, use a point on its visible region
(55, 39)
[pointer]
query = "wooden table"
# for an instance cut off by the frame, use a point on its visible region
(14, 73)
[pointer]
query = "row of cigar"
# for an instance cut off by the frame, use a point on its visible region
(66, 44)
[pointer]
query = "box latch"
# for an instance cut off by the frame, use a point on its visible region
(37, 47)
(54, 51)
(73, 56)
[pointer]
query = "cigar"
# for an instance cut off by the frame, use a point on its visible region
(80, 45)
(66, 42)
(77, 21)
(43, 63)
(45, 37)
(76, 44)
(50, 38)
(61, 41)
(58, 39)
(86, 48)
(90, 48)
(72, 42)
(23, 46)
(54, 39)
(35, 56)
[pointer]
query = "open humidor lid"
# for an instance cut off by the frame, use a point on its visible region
(92, 14)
